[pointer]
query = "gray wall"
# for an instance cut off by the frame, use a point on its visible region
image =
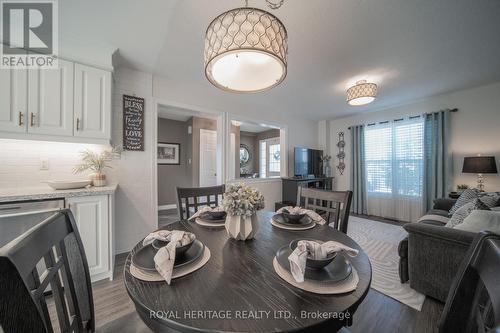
(170, 176)
(250, 140)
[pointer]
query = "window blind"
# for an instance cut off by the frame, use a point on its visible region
(394, 158)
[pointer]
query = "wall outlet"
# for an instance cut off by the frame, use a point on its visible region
(44, 163)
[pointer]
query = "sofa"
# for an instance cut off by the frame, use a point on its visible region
(431, 254)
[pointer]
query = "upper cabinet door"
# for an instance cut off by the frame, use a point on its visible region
(92, 102)
(13, 100)
(50, 103)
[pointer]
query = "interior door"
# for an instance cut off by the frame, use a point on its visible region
(92, 102)
(50, 103)
(208, 157)
(13, 100)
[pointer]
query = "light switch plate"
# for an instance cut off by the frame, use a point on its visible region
(44, 163)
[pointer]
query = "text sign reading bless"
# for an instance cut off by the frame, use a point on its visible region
(133, 123)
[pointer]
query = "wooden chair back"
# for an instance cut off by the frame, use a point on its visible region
(23, 306)
(197, 197)
(334, 205)
(473, 303)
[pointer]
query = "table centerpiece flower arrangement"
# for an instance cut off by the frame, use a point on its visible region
(241, 203)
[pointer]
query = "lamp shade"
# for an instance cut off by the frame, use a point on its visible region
(479, 164)
(362, 93)
(246, 50)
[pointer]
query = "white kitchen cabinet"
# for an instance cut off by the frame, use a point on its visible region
(50, 102)
(94, 221)
(13, 100)
(92, 107)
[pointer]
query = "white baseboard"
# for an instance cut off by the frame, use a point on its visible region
(165, 207)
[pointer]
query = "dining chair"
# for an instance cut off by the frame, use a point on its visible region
(189, 197)
(23, 307)
(473, 303)
(334, 206)
(50, 254)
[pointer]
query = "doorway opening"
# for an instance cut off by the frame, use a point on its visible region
(188, 147)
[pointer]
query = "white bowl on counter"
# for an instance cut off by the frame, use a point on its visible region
(68, 184)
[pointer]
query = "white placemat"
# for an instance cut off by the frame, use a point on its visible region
(177, 273)
(341, 287)
(209, 224)
(300, 228)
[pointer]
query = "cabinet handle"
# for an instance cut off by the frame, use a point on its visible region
(77, 124)
(21, 118)
(32, 119)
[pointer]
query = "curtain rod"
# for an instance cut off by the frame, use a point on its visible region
(399, 119)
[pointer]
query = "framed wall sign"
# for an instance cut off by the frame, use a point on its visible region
(133, 123)
(169, 153)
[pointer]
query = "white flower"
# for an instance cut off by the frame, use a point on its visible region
(242, 200)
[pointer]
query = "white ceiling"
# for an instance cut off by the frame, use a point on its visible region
(413, 48)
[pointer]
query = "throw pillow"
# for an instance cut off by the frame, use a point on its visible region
(467, 196)
(464, 211)
(480, 220)
(490, 199)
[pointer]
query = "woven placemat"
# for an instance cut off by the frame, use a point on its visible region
(209, 224)
(341, 287)
(300, 228)
(177, 273)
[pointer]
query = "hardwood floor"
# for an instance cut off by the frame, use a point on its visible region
(377, 313)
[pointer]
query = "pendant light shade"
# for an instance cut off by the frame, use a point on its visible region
(246, 50)
(362, 93)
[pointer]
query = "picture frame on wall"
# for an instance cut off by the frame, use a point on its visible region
(169, 153)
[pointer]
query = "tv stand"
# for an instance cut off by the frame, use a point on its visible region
(291, 184)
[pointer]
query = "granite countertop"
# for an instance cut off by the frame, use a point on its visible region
(46, 192)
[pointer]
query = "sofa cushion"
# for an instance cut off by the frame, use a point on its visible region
(480, 220)
(464, 211)
(435, 216)
(467, 196)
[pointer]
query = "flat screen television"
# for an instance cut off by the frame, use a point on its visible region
(307, 162)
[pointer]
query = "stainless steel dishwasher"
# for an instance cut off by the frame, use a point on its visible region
(18, 217)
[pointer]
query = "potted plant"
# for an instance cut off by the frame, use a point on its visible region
(461, 188)
(97, 162)
(241, 203)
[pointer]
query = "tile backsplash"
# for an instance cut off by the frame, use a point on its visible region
(20, 161)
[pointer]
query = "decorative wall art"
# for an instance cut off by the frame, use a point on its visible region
(133, 123)
(341, 153)
(169, 153)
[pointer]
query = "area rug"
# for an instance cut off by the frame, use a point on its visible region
(380, 242)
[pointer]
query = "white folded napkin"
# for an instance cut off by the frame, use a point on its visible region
(165, 257)
(205, 210)
(314, 250)
(298, 210)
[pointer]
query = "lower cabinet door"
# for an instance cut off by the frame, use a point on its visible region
(92, 220)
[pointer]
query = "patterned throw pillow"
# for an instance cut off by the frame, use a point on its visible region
(467, 196)
(464, 211)
(490, 199)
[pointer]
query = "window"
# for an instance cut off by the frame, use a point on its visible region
(274, 158)
(394, 158)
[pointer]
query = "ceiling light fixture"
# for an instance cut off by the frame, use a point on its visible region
(246, 50)
(362, 93)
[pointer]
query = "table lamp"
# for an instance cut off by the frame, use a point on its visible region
(480, 165)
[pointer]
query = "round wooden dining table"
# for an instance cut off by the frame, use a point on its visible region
(238, 289)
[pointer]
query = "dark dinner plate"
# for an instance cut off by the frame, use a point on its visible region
(279, 218)
(336, 271)
(144, 258)
(206, 217)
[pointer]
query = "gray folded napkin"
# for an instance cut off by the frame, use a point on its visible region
(299, 210)
(314, 250)
(205, 210)
(165, 257)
